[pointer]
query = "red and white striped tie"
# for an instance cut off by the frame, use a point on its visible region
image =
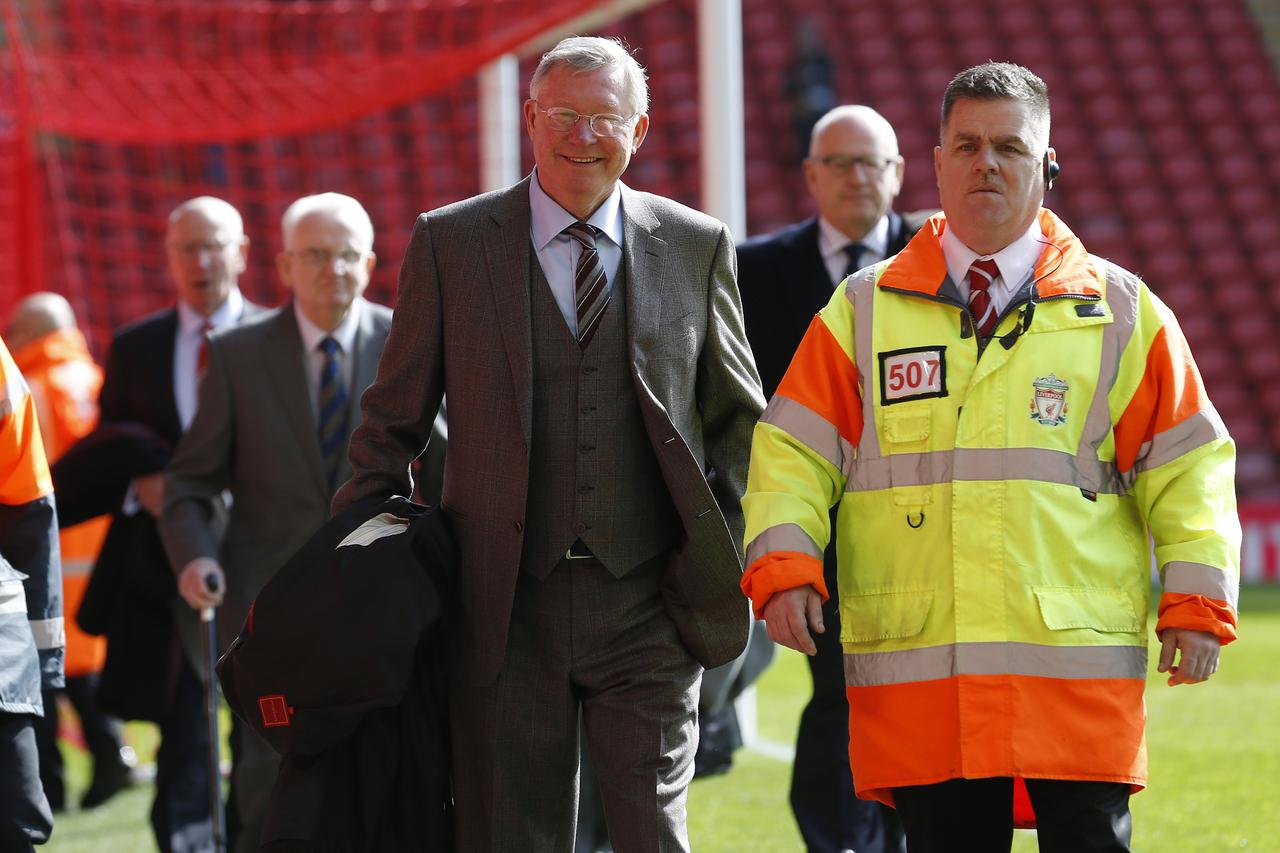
(983, 310)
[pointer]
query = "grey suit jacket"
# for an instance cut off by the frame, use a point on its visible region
(254, 434)
(462, 327)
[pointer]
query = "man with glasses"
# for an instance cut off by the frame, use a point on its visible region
(854, 173)
(277, 403)
(601, 397)
(148, 398)
(1005, 421)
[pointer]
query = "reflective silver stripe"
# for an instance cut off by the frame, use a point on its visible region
(810, 429)
(1122, 299)
(13, 597)
(861, 293)
(76, 568)
(981, 463)
(1199, 579)
(49, 633)
(1199, 429)
(936, 662)
(782, 537)
(14, 391)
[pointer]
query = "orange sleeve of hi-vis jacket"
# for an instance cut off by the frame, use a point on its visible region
(24, 471)
(778, 571)
(823, 379)
(1198, 613)
(1169, 393)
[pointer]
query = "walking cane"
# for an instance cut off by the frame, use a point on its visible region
(216, 813)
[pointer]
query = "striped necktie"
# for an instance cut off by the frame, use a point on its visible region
(332, 420)
(202, 351)
(982, 309)
(590, 286)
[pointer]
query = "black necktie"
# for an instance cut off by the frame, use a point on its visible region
(332, 419)
(854, 251)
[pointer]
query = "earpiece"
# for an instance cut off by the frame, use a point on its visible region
(1051, 168)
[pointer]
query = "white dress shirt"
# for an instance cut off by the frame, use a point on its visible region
(186, 349)
(558, 252)
(832, 241)
(1017, 261)
(312, 335)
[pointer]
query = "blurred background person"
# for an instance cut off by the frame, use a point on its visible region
(854, 173)
(276, 409)
(148, 398)
(64, 380)
(810, 85)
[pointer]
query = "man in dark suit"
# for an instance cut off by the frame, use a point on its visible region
(149, 393)
(277, 405)
(601, 396)
(854, 172)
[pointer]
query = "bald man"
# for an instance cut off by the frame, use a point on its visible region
(854, 172)
(150, 383)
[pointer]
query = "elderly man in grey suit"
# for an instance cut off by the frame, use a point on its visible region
(277, 404)
(601, 396)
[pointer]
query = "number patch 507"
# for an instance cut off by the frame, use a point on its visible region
(913, 374)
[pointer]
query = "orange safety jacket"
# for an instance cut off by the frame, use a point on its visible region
(994, 512)
(64, 382)
(31, 634)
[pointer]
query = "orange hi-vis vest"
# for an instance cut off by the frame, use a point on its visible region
(64, 382)
(995, 506)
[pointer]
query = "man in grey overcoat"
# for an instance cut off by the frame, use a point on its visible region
(277, 404)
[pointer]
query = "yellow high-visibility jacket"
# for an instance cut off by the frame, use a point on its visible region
(995, 509)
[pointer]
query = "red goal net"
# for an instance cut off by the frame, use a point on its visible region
(113, 111)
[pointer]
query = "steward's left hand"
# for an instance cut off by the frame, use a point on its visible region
(1197, 655)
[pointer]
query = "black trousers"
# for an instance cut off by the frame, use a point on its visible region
(976, 816)
(25, 818)
(831, 819)
(103, 735)
(180, 815)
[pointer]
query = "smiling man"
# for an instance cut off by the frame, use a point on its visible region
(1003, 420)
(601, 398)
(277, 404)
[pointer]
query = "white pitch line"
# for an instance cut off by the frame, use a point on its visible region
(772, 749)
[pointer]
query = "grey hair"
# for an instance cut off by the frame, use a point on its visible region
(999, 81)
(341, 206)
(590, 53)
(215, 209)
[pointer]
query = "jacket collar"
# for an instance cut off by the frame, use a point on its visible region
(1063, 269)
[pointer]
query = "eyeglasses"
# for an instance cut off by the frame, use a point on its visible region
(192, 250)
(842, 163)
(323, 258)
(563, 119)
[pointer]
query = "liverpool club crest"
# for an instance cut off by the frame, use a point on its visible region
(1049, 400)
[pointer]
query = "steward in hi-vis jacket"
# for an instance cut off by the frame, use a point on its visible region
(31, 635)
(998, 473)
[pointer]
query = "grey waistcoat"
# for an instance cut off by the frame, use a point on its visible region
(592, 472)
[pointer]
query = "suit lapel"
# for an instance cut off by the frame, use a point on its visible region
(285, 363)
(162, 378)
(643, 259)
(509, 254)
(811, 287)
(364, 369)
